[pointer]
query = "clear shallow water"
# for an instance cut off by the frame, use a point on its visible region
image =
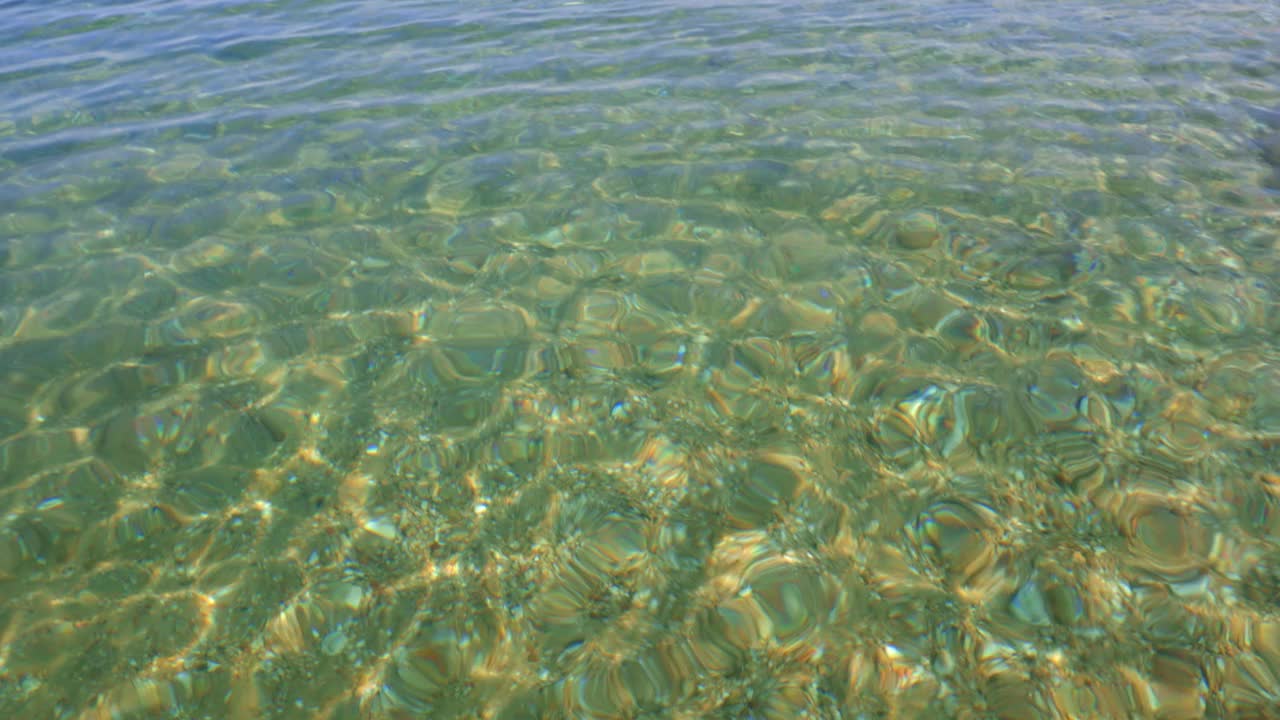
(396, 360)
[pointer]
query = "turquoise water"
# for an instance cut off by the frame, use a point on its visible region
(596, 359)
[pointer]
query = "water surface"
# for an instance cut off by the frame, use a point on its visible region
(677, 359)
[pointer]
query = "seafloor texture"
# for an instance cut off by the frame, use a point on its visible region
(639, 360)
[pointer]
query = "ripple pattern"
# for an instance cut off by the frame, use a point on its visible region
(574, 360)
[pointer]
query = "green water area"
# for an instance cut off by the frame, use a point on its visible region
(539, 360)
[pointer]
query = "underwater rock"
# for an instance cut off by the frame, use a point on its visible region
(1270, 145)
(918, 230)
